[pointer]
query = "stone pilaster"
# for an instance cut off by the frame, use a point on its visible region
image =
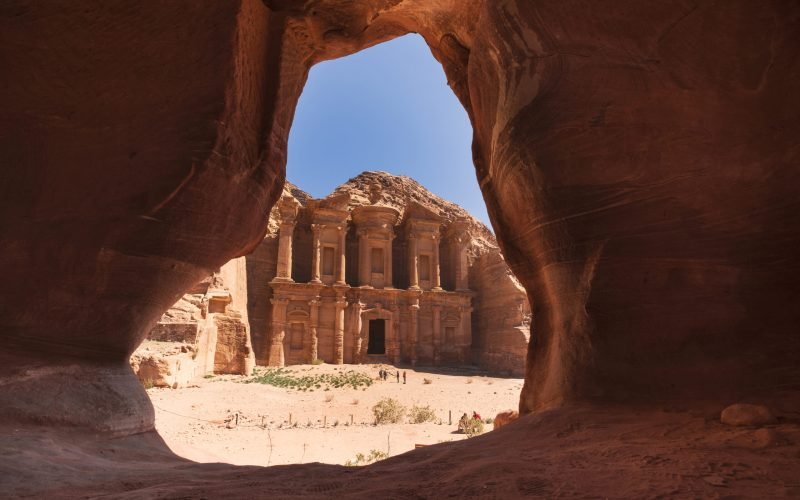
(287, 209)
(276, 354)
(387, 263)
(394, 354)
(413, 329)
(364, 254)
(316, 257)
(340, 276)
(313, 351)
(413, 262)
(465, 339)
(284, 268)
(436, 278)
(338, 331)
(437, 334)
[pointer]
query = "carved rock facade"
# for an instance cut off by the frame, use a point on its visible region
(382, 270)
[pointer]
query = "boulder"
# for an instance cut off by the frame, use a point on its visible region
(504, 418)
(743, 414)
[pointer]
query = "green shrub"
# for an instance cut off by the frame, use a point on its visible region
(388, 411)
(427, 381)
(473, 427)
(421, 414)
(361, 459)
(283, 377)
(317, 362)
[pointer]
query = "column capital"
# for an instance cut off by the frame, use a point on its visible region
(279, 301)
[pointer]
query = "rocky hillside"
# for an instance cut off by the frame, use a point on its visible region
(398, 190)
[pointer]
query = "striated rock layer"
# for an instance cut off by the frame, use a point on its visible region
(638, 161)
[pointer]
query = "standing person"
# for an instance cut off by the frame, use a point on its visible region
(398, 376)
(380, 374)
(404, 376)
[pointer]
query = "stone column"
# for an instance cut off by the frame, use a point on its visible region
(413, 329)
(465, 340)
(364, 264)
(355, 328)
(437, 281)
(276, 357)
(313, 352)
(437, 333)
(316, 257)
(413, 260)
(340, 276)
(462, 269)
(338, 333)
(395, 354)
(387, 263)
(284, 268)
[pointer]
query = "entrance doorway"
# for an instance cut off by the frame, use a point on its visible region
(377, 337)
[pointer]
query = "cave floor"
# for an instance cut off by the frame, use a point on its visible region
(574, 452)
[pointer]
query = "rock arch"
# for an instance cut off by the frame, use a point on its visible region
(638, 166)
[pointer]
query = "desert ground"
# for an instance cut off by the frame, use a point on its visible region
(199, 422)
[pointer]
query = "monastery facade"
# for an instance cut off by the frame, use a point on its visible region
(382, 270)
(370, 289)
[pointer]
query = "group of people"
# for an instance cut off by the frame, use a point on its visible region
(464, 420)
(384, 375)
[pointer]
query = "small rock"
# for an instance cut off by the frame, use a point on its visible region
(742, 414)
(715, 480)
(764, 438)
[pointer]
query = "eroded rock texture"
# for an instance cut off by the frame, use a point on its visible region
(638, 160)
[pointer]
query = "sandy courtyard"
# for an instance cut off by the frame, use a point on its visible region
(198, 422)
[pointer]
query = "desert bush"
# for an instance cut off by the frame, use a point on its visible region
(328, 398)
(488, 420)
(473, 427)
(317, 362)
(421, 414)
(388, 411)
(427, 381)
(361, 459)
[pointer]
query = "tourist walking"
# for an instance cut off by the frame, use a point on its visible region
(398, 376)
(404, 376)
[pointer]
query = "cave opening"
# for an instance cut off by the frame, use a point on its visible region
(375, 265)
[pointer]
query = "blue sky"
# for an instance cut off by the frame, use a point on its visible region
(385, 108)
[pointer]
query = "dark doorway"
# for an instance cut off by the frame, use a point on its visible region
(377, 337)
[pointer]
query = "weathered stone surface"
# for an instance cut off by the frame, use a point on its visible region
(211, 321)
(504, 418)
(165, 364)
(638, 160)
(743, 414)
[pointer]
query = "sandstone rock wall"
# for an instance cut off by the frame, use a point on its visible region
(501, 316)
(212, 320)
(638, 162)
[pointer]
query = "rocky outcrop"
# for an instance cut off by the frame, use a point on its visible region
(212, 321)
(504, 418)
(165, 364)
(638, 162)
(502, 317)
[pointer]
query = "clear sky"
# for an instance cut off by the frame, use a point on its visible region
(385, 108)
